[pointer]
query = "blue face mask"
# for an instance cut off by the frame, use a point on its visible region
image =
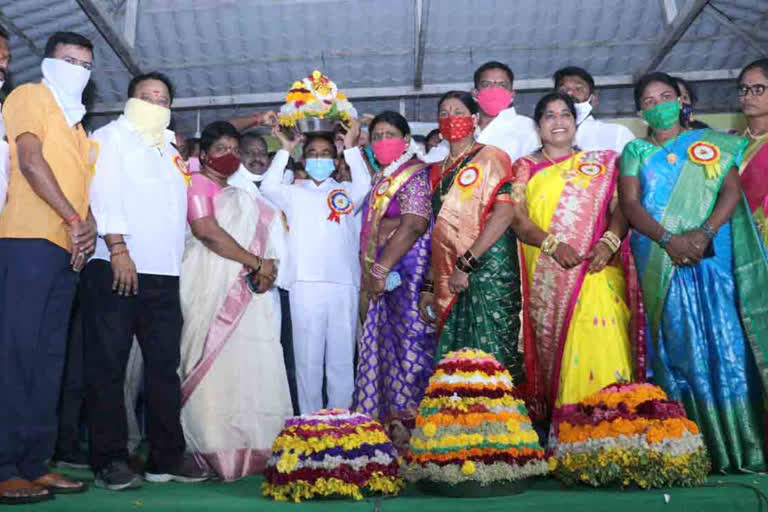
(319, 168)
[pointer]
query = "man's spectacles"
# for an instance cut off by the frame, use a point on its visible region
(756, 90)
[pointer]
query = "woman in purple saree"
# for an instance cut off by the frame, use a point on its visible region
(396, 349)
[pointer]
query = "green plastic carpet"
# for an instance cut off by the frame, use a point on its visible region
(721, 494)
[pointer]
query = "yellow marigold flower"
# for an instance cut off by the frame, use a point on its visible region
(468, 467)
(552, 463)
(316, 75)
(430, 429)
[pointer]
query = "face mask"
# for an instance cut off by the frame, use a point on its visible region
(686, 114)
(194, 164)
(319, 168)
(493, 100)
(67, 81)
(663, 116)
(583, 110)
(454, 128)
(388, 150)
(149, 119)
(225, 164)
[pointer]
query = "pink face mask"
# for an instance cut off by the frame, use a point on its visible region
(194, 164)
(388, 150)
(493, 100)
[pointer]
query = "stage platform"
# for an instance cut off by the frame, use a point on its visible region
(721, 494)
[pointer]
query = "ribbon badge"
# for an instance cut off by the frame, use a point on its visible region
(379, 193)
(181, 165)
(339, 203)
(588, 171)
(467, 179)
(707, 155)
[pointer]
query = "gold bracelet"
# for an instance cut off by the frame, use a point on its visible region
(611, 240)
(549, 245)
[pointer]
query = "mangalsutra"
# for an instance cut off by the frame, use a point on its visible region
(671, 156)
(566, 175)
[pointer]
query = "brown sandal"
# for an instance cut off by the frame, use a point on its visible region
(58, 484)
(17, 491)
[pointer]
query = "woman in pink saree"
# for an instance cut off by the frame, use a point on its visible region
(234, 389)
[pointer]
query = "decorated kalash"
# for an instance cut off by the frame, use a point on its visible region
(331, 453)
(629, 435)
(473, 437)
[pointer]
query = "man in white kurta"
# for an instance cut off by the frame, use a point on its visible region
(323, 270)
(591, 134)
(500, 125)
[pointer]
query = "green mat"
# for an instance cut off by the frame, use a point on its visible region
(736, 493)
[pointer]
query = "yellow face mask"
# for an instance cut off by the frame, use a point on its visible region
(149, 119)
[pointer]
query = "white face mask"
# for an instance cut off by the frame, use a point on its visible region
(583, 110)
(67, 81)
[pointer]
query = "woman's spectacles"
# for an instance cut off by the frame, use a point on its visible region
(756, 90)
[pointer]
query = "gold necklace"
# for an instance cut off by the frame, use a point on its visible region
(565, 175)
(753, 136)
(671, 156)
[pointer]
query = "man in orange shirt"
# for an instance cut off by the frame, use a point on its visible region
(47, 233)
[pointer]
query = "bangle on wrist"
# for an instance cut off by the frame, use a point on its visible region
(665, 239)
(610, 239)
(708, 230)
(549, 245)
(257, 268)
(71, 220)
(110, 246)
(379, 271)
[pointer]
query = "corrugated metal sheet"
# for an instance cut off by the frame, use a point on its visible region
(230, 47)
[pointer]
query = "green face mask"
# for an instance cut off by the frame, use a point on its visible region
(664, 115)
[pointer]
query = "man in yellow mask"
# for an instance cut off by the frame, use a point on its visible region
(131, 286)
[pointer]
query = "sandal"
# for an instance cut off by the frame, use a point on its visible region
(17, 491)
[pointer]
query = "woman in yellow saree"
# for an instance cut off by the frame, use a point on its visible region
(577, 303)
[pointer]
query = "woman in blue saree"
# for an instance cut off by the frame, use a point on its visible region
(703, 274)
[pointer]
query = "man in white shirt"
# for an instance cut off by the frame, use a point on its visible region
(323, 271)
(254, 157)
(591, 134)
(500, 125)
(131, 286)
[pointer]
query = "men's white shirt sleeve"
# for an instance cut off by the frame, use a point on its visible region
(361, 178)
(438, 153)
(106, 187)
(273, 185)
(623, 137)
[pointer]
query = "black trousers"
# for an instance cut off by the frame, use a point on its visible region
(37, 286)
(286, 340)
(154, 316)
(72, 389)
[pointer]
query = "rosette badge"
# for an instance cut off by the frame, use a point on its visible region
(332, 452)
(472, 436)
(314, 104)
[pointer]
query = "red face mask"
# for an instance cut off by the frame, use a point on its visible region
(454, 128)
(225, 164)
(388, 150)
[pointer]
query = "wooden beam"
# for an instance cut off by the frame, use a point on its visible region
(675, 31)
(396, 92)
(422, 13)
(131, 15)
(15, 30)
(745, 36)
(104, 24)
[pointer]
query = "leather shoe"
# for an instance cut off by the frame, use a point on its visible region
(17, 491)
(60, 485)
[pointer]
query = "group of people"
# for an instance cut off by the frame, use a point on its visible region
(335, 272)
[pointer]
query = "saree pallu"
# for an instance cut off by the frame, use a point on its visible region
(396, 349)
(709, 321)
(754, 181)
(235, 394)
(486, 315)
(579, 322)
